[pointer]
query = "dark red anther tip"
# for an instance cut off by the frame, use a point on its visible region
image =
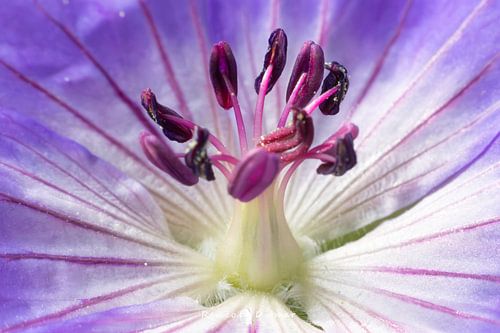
(337, 76)
(275, 55)
(223, 65)
(310, 61)
(164, 158)
(254, 174)
(197, 157)
(305, 133)
(345, 157)
(172, 124)
(291, 141)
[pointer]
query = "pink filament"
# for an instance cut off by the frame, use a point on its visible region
(222, 168)
(313, 105)
(225, 158)
(240, 124)
(291, 100)
(331, 140)
(212, 138)
(259, 108)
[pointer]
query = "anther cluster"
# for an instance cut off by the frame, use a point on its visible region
(255, 167)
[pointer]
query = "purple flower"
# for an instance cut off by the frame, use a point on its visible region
(379, 215)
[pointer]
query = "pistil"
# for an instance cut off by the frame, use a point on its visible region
(259, 251)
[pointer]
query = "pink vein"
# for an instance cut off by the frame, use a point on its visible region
(71, 195)
(98, 130)
(426, 121)
(428, 272)
(446, 105)
(202, 44)
(420, 240)
(83, 304)
(389, 189)
(335, 317)
(381, 60)
(180, 324)
(167, 65)
(133, 106)
(426, 150)
(418, 301)
(116, 88)
(353, 318)
(85, 225)
(249, 44)
(391, 323)
(81, 183)
(454, 203)
(323, 25)
(83, 260)
(454, 38)
(275, 8)
(139, 199)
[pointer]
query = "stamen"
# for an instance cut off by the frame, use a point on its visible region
(163, 157)
(259, 251)
(170, 121)
(197, 157)
(278, 134)
(254, 174)
(345, 157)
(299, 135)
(240, 124)
(174, 126)
(305, 130)
(259, 107)
(223, 64)
(320, 99)
(223, 74)
(275, 56)
(274, 63)
(291, 100)
(225, 158)
(336, 78)
(222, 168)
(340, 133)
(310, 61)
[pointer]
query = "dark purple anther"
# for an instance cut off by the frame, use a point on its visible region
(223, 65)
(298, 135)
(171, 122)
(163, 157)
(254, 174)
(336, 77)
(310, 61)
(345, 157)
(275, 55)
(197, 157)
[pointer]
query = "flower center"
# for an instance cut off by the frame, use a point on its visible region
(259, 251)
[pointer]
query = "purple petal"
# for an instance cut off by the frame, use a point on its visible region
(76, 235)
(432, 269)
(243, 313)
(79, 76)
(172, 315)
(254, 174)
(420, 136)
